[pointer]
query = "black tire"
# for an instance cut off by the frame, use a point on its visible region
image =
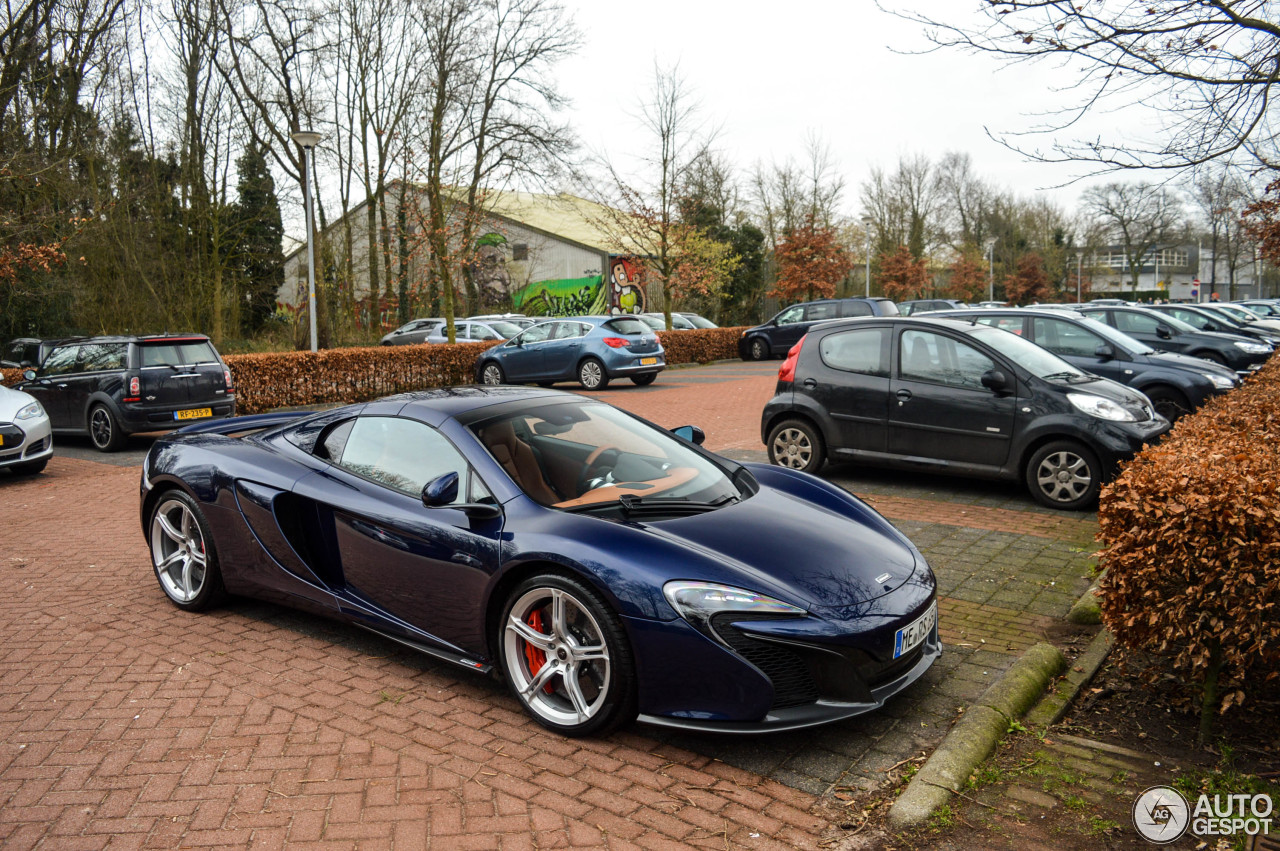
(104, 429)
(30, 468)
(183, 555)
(1064, 474)
(592, 375)
(758, 349)
(1168, 402)
(643, 380)
(491, 374)
(545, 383)
(797, 444)
(589, 694)
(1212, 357)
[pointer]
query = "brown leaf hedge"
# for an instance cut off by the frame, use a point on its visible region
(1191, 530)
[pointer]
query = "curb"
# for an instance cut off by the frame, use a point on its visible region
(1086, 610)
(976, 735)
(1058, 700)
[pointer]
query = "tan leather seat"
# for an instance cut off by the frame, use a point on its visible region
(518, 459)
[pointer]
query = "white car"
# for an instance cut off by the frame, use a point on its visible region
(26, 438)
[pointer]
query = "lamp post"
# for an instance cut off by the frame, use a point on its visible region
(991, 269)
(308, 140)
(866, 226)
(1079, 258)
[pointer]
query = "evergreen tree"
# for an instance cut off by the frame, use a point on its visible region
(261, 257)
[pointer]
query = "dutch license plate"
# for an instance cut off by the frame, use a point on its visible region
(648, 361)
(193, 414)
(1, 440)
(910, 636)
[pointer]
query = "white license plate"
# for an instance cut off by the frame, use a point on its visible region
(648, 361)
(193, 414)
(910, 636)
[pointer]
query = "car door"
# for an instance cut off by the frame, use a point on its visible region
(1079, 347)
(425, 567)
(563, 350)
(99, 367)
(522, 358)
(789, 327)
(51, 384)
(938, 408)
(853, 386)
(1149, 329)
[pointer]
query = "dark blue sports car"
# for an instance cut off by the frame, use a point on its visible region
(606, 567)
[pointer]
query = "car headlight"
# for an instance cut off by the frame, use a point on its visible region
(1100, 407)
(30, 412)
(1254, 348)
(697, 602)
(1221, 382)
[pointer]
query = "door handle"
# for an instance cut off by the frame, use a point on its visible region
(464, 558)
(904, 395)
(810, 383)
(61, 386)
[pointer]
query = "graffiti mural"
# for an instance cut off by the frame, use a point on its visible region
(564, 297)
(626, 292)
(489, 272)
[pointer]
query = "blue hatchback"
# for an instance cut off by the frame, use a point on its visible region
(591, 350)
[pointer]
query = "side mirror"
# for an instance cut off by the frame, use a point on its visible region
(29, 374)
(1104, 351)
(1164, 333)
(691, 433)
(441, 492)
(997, 382)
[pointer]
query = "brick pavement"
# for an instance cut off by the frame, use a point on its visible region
(125, 722)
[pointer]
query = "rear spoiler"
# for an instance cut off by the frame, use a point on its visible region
(253, 422)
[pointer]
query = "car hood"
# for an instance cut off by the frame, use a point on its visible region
(1180, 361)
(12, 401)
(823, 557)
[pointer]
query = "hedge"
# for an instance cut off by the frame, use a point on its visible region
(338, 376)
(1191, 530)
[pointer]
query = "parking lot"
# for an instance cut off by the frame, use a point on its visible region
(128, 723)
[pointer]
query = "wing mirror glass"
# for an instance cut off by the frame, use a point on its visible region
(691, 433)
(441, 492)
(1164, 333)
(1104, 351)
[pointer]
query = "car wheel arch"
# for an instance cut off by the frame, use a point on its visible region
(797, 413)
(99, 398)
(159, 488)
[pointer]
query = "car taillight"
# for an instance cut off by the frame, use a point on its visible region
(788, 370)
(135, 390)
(615, 342)
(226, 378)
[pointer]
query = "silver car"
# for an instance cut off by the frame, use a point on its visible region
(26, 439)
(412, 332)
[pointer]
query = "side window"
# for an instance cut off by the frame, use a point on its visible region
(926, 356)
(856, 308)
(818, 312)
(568, 330)
(102, 356)
(1195, 320)
(538, 333)
(330, 446)
(61, 361)
(1064, 338)
(791, 315)
(483, 332)
(856, 351)
(1135, 323)
(401, 454)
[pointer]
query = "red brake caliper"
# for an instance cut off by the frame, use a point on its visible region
(535, 657)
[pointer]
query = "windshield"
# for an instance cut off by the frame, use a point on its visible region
(1177, 324)
(1039, 362)
(583, 455)
(505, 328)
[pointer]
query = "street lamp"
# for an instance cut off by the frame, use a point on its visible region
(1079, 258)
(991, 269)
(866, 226)
(308, 140)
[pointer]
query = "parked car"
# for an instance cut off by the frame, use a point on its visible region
(24, 352)
(1209, 318)
(605, 568)
(26, 439)
(1263, 308)
(699, 321)
(1169, 334)
(954, 397)
(1246, 317)
(111, 387)
(929, 305)
(592, 350)
(658, 322)
(517, 319)
(784, 330)
(1175, 384)
(412, 333)
(475, 330)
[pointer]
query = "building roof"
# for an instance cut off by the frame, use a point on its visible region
(576, 219)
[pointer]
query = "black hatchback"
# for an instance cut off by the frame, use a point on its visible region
(1170, 334)
(784, 330)
(954, 397)
(1175, 384)
(111, 387)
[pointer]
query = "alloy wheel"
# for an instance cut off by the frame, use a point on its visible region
(792, 448)
(178, 551)
(1064, 476)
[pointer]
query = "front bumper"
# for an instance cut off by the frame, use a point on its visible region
(1121, 441)
(25, 442)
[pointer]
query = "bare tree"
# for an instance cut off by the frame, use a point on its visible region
(1138, 217)
(1200, 72)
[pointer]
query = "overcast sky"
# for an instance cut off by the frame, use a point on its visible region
(769, 73)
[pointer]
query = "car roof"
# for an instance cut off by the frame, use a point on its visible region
(136, 338)
(975, 312)
(466, 401)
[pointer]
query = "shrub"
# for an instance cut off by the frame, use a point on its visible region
(10, 377)
(1191, 531)
(701, 346)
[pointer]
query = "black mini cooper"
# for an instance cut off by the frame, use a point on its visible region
(111, 387)
(955, 397)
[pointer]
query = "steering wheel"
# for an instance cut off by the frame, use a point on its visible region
(596, 468)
